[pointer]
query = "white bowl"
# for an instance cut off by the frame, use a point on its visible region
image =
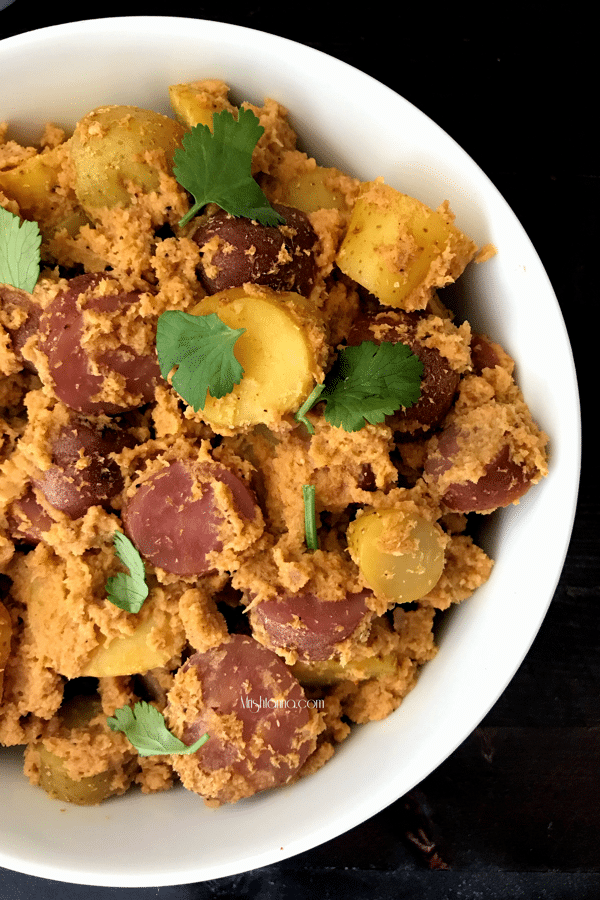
(344, 118)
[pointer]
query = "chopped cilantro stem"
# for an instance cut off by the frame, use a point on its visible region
(308, 405)
(310, 517)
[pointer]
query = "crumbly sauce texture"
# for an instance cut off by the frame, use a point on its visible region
(95, 441)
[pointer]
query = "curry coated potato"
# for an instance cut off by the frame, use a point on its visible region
(311, 626)
(88, 363)
(20, 317)
(314, 189)
(400, 554)
(82, 473)
(237, 251)
(194, 520)
(27, 519)
(117, 150)
(255, 712)
(439, 381)
(280, 352)
(36, 185)
(196, 102)
(129, 654)
(498, 478)
(401, 250)
(116, 643)
(54, 775)
(323, 673)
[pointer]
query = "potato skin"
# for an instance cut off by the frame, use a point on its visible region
(175, 528)
(18, 305)
(67, 485)
(74, 727)
(439, 382)
(70, 366)
(230, 692)
(305, 623)
(503, 482)
(27, 520)
(237, 251)
(109, 148)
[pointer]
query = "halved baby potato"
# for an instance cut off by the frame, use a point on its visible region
(77, 632)
(280, 351)
(61, 773)
(115, 148)
(400, 554)
(401, 250)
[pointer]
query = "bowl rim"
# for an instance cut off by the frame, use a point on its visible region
(570, 461)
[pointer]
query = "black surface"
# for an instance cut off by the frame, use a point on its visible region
(514, 812)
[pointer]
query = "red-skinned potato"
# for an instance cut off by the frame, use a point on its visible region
(237, 251)
(439, 381)
(27, 519)
(175, 520)
(502, 481)
(82, 373)
(20, 315)
(305, 623)
(260, 725)
(82, 473)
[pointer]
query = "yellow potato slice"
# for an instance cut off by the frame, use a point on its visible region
(77, 632)
(400, 555)
(279, 351)
(401, 250)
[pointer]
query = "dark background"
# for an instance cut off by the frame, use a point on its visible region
(515, 811)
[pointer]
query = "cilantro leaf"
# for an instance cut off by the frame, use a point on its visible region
(19, 251)
(128, 592)
(201, 347)
(216, 167)
(310, 517)
(366, 384)
(145, 728)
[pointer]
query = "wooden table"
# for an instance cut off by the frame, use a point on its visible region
(515, 811)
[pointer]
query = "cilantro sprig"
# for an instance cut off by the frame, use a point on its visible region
(128, 592)
(366, 384)
(144, 726)
(215, 167)
(19, 251)
(201, 350)
(310, 517)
